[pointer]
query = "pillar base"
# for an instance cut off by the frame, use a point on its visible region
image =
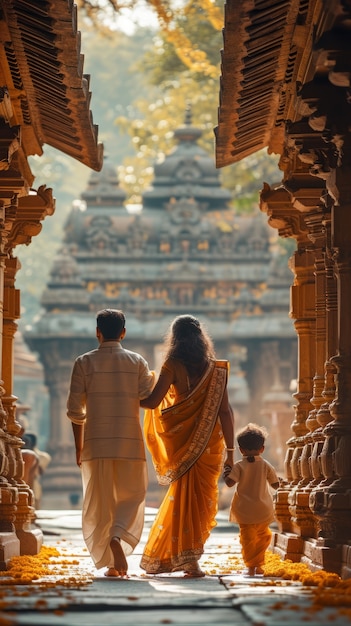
(315, 553)
(319, 556)
(287, 545)
(31, 540)
(9, 547)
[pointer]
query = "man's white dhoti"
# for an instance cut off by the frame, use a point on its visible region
(113, 506)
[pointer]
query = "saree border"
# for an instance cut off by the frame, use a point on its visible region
(207, 421)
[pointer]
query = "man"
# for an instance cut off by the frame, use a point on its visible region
(107, 385)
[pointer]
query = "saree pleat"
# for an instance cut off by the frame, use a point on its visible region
(186, 443)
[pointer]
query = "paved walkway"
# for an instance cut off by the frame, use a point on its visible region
(224, 596)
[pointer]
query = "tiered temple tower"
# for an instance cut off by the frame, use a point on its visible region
(186, 251)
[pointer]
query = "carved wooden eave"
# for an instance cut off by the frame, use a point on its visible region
(255, 59)
(46, 92)
(269, 52)
(31, 211)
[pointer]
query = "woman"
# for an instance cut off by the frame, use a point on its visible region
(186, 441)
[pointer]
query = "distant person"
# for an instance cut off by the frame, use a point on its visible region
(44, 460)
(252, 504)
(30, 462)
(106, 387)
(186, 431)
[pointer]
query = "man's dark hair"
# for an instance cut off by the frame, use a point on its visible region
(110, 323)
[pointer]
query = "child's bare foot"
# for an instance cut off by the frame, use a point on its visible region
(120, 561)
(250, 571)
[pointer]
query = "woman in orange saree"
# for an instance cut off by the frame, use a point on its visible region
(187, 426)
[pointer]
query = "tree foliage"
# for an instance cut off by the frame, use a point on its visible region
(180, 78)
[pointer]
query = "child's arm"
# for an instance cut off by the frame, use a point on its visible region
(280, 483)
(228, 481)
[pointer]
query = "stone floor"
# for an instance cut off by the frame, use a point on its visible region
(224, 596)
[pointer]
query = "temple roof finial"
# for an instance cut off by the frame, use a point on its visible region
(188, 118)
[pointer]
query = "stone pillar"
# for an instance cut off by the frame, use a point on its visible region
(334, 504)
(324, 416)
(303, 311)
(9, 543)
(277, 203)
(30, 538)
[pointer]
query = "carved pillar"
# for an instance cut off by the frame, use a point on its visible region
(306, 523)
(324, 416)
(334, 503)
(303, 311)
(290, 223)
(9, 543)
(30, 538)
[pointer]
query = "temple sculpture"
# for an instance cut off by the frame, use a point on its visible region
(183, 251)
(285, 85)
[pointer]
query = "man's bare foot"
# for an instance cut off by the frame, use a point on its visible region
(120, 561)
(113, 573)
(259, 570)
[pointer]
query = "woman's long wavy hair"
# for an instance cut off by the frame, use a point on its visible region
(188, 342)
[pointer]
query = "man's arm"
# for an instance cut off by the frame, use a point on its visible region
(76, 409)
(78, 432)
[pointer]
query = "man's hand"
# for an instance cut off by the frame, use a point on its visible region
(78, 432)
(79, 457)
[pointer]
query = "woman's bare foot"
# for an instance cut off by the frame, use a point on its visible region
(192, 570)
(120, 561)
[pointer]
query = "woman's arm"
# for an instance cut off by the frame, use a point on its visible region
(226, 415)
(165, 379)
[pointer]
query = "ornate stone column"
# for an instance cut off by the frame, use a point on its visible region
(324, 416)
(30, 538)
(290, 223)
(9, 543)
(302, 310)
(333, 504)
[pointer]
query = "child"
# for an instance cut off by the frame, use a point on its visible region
(252, 505)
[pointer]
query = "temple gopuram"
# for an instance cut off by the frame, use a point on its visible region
(184, 251)
(286, 86)
(44, 99)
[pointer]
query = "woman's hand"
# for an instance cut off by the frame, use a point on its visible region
(229, 458)
(159, 391)
(228, 481)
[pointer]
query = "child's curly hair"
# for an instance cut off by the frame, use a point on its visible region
(252, 437)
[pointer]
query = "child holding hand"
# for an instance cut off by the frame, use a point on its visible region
(252, 504)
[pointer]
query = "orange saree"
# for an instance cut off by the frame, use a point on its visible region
(186, 444)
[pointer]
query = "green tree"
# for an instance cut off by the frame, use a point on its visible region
(178, 78)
